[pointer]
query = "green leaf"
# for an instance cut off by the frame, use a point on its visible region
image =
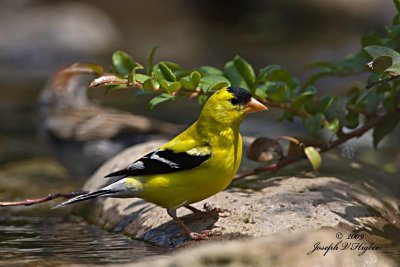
(133, 74)
(390, 100)
(212, 83)
(151, 84)
(346, 66)
(310, 90)
(314, 123)
(195, 76)
(122, 62)
(137, 66)
(396, 19)
(172, 66)
(313, 157)
(384, 128)
(397, 5)
(261, 91)
(208, 70)
(325, 103)
(140, 77)
(287, 116)
(318, 75)
(304, 99)
(179, 74)
(192, 81)
(170, 87)
(365, 93)
(372, 101)
(150, 60)
(268, 70)
(284, 76)
(352, 119)
(394, 69)
(393, 32)
(298, 103)
(276, 93)
(380, 64)
(202, 99)
(376, 51)
(332, 126)
(353, 94)
(160, 99)
(163, 72)
(371, 38)
(240, 73)
(337, 110)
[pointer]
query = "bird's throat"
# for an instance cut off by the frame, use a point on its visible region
(222, 132)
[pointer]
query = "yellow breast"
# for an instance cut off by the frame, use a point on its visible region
(185, 187)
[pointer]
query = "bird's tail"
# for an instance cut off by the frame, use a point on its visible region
(95, 194)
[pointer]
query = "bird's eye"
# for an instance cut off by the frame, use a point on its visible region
(234, 101)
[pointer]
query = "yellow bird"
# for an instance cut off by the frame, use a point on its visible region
(198, 163)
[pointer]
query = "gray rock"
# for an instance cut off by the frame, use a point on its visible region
(258, 207)
(275, 250)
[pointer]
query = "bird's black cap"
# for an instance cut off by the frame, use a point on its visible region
(242, 96)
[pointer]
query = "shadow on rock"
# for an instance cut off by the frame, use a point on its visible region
(169, 234)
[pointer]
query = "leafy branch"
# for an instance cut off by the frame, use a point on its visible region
(358, 111)
(343, 139)
(372, 104)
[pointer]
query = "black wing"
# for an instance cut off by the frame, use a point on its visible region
(163, 161)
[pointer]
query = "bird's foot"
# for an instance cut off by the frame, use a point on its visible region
(206, 234)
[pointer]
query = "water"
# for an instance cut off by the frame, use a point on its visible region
(37, 235)
(55, 241)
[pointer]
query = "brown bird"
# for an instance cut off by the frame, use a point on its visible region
(77, 130)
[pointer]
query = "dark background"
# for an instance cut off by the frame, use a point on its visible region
(37, 37)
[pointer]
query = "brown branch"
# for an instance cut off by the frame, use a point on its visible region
(34, 201)
(342, 139)
(370, 85)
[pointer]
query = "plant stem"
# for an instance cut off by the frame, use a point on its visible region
(342, 139)
(34, 201)
(393, 77)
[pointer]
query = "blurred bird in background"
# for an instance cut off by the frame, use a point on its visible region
(83, 135)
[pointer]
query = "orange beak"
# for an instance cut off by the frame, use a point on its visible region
(254, 106)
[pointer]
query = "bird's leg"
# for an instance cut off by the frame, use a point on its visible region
(193, 235)
(172, 213)
(208, 211)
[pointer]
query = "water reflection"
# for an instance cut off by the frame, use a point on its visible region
(38, 241)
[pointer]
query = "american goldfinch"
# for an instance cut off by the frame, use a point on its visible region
(196, 164)
(77, 130)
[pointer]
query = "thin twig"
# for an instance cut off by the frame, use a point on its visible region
(393, 77)
(342, 139)
(34, 201)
